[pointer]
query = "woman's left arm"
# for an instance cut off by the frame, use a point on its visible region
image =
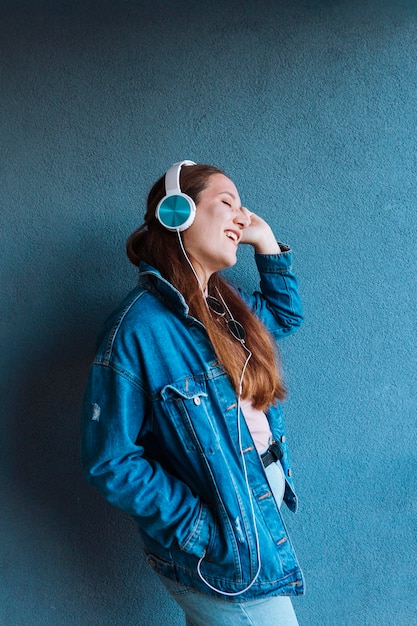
(278, 303)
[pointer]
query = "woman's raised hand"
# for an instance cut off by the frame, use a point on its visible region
(259, 235)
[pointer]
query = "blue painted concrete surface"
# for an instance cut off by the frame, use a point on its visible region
(311, 108)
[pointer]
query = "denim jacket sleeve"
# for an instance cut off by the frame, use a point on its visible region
(278, 302)
(164, 506)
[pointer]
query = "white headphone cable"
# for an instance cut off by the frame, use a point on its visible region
(239, 417)
(252, 582)
(189, 262)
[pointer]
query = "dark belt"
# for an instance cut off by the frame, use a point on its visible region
(273, 454)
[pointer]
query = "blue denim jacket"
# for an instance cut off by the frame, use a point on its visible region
(160, 440)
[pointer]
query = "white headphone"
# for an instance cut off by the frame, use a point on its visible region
(176, 210)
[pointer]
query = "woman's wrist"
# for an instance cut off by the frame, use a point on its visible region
(267, 245)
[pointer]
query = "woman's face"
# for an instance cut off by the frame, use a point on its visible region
(214, 236)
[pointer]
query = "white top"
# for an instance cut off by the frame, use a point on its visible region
(258, 425)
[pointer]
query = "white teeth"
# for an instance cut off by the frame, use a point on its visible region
(231, 235)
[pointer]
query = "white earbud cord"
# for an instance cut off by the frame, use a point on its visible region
(239, 430)
(239, 417)
(189, 262)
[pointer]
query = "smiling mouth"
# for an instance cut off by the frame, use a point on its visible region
(230, 234)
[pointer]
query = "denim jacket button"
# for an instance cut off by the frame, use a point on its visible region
(197, 400)
(283, 439)
(289, 473)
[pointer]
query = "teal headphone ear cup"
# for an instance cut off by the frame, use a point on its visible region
(176, 211)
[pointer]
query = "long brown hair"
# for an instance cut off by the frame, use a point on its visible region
(160, 248)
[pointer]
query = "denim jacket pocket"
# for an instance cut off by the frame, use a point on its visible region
(268, 509)
(186, 403)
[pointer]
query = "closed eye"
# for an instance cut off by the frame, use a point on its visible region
(226, 203)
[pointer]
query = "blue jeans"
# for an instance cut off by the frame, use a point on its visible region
(204, 610)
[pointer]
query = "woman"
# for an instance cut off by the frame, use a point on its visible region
(182, 426)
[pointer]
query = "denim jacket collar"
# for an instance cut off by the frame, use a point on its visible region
(151, 279)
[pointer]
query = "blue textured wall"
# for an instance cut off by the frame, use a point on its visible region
(311, 107)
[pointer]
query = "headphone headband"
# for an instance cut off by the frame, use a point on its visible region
(172, 177)
(176, 210)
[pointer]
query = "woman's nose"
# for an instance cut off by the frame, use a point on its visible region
(242, 217)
